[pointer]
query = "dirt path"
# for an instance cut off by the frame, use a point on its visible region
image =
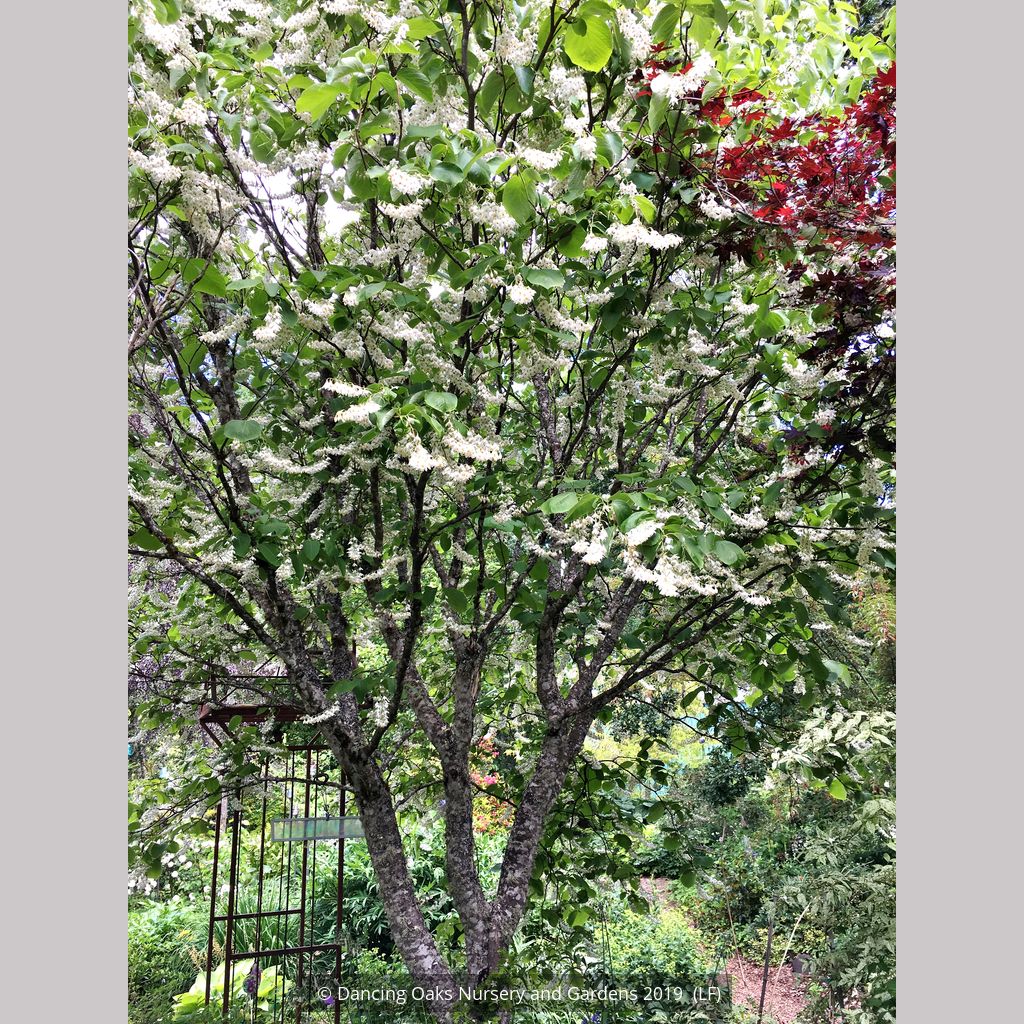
(785, 997)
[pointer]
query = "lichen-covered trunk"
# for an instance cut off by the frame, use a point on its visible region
(384, 843)
(558, 751)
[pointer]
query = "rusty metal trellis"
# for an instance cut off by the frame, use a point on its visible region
(274, 920)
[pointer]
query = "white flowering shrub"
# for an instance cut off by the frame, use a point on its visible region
(483, 369)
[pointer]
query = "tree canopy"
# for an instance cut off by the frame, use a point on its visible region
(492, 364)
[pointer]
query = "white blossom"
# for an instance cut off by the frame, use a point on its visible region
(359, 413)
(520, 293)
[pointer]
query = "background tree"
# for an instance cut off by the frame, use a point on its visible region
(485, 370)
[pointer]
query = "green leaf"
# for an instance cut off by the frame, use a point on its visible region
(656, 813)
(192, 355)
(243, 430)
(489, 91)
(212, 283)
(560, 503)
(310, 549)
(145, 540)
(420, 28)
(450, 174)
(544, 278)
(456, 599)
(646, 208)
(573, 245)
(343, 686)
(316, 100)
(441, 401)
(382, 80)
(271, 553)
(524, 79)
(166, 11)
(769, 325)
(244, 284)
(838, 669)
(609, 149)
(417, 82)
(665, 23)
(262, 145)
(656, 111)
(518, 197)
(588, 43)
(728, 552)
(721, 14)
(837, 789)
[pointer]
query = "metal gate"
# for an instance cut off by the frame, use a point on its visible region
(278, 881)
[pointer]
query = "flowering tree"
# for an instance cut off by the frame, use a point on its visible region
(499, 359)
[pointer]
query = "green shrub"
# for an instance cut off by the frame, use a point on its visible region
(166, 946)
(806, 939)
(656, 949)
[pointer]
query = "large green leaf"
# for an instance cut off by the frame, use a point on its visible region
(441, 401)
(588, 43)
(243, 430)
(560, 503)
(544, 278)
(263, 145)
(728, 552)
(316, 100)
(417, 82)
(518, 197)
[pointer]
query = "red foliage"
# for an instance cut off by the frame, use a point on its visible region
(834, 173)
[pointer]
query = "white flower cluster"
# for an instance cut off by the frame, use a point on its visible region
(379, 712)
(329, 712)
(566, 88)
(343, 387)
(638, 233)
(636, 33)
(714, 210)
(675, 86)
(191, 112)
(473, 446)
(516, 50)
(642, 533)
(670, 575)
(420, 460)
(405, 212)
(593, 550)
(157, 165)
(539, 159)
(493, 216)
(231, 326)
(406, 182)
(271, 327)
(586, 148)
(322, 309)
(520, 293)
(358, 413)
(275, 464)
(594, 243)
